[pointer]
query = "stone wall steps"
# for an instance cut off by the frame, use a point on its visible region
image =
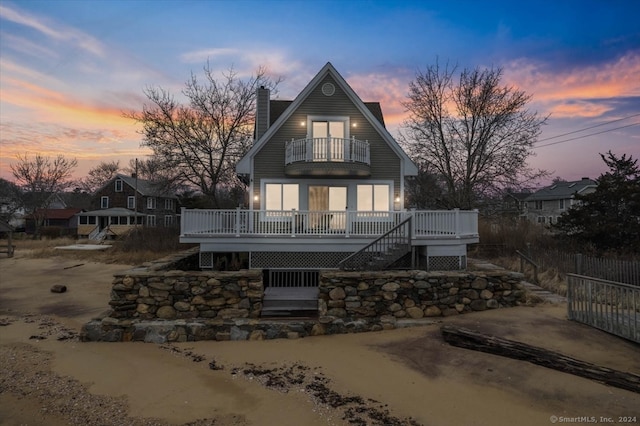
(279, 301)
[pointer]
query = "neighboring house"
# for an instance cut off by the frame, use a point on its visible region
(126, 202)
(326, 190)
(514, 204)
(65, 219)
(548, 203)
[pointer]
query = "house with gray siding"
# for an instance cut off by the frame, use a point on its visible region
(547, 204)
(326, 184)
(124, 203)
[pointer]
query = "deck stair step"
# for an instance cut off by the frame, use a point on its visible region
(283, 301)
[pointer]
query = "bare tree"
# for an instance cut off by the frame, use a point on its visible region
(473, 133)
(201, 142)
(11, 199)
(41, 178)
(100, 175)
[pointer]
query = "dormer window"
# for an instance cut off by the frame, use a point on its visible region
(118, 185)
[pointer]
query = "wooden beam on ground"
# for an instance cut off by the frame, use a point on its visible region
(465, 338)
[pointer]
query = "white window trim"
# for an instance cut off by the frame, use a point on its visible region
(169, 204)
(168, 220)
(131, 205)
(119, 188)
(151, 203)
(151, 218)
(263, 199)
(104, 202)
(344, 118)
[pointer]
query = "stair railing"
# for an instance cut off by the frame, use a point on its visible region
(381, 252)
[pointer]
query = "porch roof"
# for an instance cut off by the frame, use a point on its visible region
(114, 211)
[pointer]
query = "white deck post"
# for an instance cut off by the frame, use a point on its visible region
(347, 225)
(238, 221)
(182, 219)
(293, 222)
(457, 219)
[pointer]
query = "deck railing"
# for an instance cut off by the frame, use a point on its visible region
(327, 149)
(382, 251)
(240, 222)
(607, 305)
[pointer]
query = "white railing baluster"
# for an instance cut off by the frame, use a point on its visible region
(238, 222)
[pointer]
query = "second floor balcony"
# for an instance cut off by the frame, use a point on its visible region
(327, 157)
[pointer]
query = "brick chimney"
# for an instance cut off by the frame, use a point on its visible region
(263, 96)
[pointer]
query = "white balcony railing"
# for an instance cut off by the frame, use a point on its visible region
(327, 149)
(239, 222)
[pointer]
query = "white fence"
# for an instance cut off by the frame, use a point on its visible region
(607, 305)
(239, 222)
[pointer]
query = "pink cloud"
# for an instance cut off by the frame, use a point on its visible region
(573, 93)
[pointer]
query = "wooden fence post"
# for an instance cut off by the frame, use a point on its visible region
(578, 264)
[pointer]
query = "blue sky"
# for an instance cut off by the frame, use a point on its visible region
(69, 68)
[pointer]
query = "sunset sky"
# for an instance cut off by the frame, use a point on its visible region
(68, 69)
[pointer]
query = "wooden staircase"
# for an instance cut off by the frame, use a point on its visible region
(381, 252)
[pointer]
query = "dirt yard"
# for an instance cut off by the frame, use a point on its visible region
(402, 377)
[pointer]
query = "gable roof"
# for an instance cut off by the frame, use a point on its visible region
(373, 115)
(562, 190)
(67, 213)
(518, 196)
(144, 187)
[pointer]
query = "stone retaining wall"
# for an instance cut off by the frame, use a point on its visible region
(382, 298)
(155, 303)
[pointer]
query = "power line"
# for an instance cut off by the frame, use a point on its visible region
(588, 128)
(586, 136)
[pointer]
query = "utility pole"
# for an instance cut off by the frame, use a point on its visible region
(136, 194)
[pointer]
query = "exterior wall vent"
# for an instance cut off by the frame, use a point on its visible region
(328, 89)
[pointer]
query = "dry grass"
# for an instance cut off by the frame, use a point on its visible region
(550, 279)
(116, 254)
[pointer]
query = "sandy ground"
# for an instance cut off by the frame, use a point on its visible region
(400, 377)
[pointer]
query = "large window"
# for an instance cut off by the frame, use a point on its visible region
(281, 196)
(373, 198)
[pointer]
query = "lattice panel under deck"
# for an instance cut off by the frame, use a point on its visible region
(206, 259)
(447, 263)
(296, 260)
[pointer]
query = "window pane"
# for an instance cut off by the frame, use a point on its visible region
(365, 197)
(319, 129)
(290, 196)
(381, 197)
(273, 196)
(336, 129)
